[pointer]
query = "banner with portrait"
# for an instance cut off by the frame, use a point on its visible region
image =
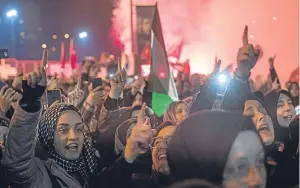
(144, 17)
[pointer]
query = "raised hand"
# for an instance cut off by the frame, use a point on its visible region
(7, 95)
(217, 65)
(38, 77)
(34, 83)
(118, 82)
(271, 61)
(76, 96)
(53, 83)
(275, 84)
(96, 96)
(140, 139)
(247, 56)
(17, 82)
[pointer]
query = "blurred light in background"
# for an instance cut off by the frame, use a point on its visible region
(12, 13)
(53, 49)
(44, 46)
(67, 35)
(83, 35)
(222, 78)
(54, 37)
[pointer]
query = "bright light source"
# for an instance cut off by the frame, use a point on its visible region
(54, 37)
(67, 35)
(111, 75)
(136, 77)
(222, 78)
(83, 35)
(12, 13)
(44, 46)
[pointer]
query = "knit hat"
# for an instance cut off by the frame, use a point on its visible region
(200, 146)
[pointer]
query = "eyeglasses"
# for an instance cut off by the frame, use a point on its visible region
(165, 140)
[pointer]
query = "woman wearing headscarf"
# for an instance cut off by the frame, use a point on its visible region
(281, 110)
(285, 171)
(72, 161)
(254, 108)
(294, 90)
(4, 123)
(220, 147)
(176, 112)
(160, 176)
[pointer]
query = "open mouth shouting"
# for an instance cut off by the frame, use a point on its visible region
(72, 147)
(263, 128)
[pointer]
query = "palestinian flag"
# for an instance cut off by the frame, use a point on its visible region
(161, 83)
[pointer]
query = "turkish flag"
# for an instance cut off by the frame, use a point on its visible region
(177, 51)
(62, 55)
(72, 57)
(186, 67)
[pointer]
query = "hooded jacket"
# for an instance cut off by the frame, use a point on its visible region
(201, 144)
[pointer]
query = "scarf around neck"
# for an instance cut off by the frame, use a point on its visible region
(86, 164)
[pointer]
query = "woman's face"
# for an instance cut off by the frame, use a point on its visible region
(294, 90)
(180, 112)
(245, 165)
(261, 120)
(3, 136)
(68, 135)
(285, 110)
(159, 152)
(138, 100)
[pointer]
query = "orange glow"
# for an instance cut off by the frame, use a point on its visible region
(212, 28)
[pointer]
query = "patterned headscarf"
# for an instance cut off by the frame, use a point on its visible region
(86, 164)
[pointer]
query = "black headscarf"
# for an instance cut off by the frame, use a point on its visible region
(294, 99)
(201, 144)
(271, 100)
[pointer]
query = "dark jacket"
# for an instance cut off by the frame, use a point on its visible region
(25, 170)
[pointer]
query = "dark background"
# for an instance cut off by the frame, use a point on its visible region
(43, 18)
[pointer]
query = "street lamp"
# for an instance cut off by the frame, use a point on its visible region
(11, 14)
(83, 35)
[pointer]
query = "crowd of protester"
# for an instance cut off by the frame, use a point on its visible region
(243, 135)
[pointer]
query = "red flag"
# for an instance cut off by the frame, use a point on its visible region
(72, 57)
(102, 58)
(186, 67)
(62, 55)
(177, 51)
(294, 77)
(146, 53)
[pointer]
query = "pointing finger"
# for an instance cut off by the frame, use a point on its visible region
(245, 36)
(141, 115)
(44, 59)
(119, 65)
(79, 82)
